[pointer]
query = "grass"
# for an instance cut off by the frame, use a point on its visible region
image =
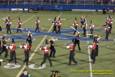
(105, 60)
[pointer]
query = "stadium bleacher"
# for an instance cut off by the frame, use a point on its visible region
(58, 4)
(59, 1)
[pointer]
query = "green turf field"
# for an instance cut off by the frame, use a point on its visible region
(104, 63)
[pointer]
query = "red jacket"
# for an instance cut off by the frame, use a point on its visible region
(45, 49)
(12, 47)
(71, 47)
(109, 21)
(26, 47)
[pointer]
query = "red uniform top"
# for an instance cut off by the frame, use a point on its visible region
(45, 49)
(109, 21)
(26, 47)
(12, 47)
(71, 47)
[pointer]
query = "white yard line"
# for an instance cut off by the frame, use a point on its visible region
(28, 19)
(88, 50)
(90, 64)
(32, 55)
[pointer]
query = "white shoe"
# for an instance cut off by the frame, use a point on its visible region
(42, 67)
(1, 60)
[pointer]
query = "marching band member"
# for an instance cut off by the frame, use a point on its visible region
(109, 22)
(4, 47)
(84, 30)
(59, 24)
(91, 27)
(76, 40)
(26, 48)
(75, 25)
(46, 51)
(93, 52)
(37, 22)
(54, 25)
(82, 21)
(96, 40)
(29, 39)
(83, 25)
(12, 49)
(107, 32)
(8, 24)
(52, 48)
(19, 25)
(71, 48)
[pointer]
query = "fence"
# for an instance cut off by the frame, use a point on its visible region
(58, 4)
(50, 2)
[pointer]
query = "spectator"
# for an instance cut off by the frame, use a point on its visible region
(25, 74)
